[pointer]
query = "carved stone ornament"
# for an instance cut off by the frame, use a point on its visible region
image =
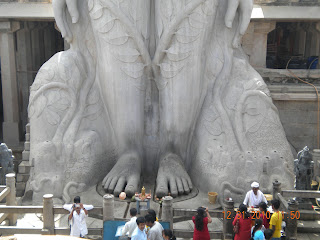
(158, 87)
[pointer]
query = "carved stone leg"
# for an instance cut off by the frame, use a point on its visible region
(182, 85)
(122, 82)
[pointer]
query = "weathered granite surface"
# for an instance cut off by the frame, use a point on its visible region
(169, 92)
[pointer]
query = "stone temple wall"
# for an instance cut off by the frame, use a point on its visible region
(299, 119)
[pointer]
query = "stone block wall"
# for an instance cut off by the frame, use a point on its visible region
(299, 119)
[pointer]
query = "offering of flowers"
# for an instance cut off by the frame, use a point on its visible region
(143, 195)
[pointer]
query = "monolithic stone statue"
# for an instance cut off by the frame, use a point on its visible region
(6, 162)
(303, 168)
(153, 85)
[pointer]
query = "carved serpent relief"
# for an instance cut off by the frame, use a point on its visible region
(211, 110)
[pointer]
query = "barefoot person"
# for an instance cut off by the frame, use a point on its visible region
(77, 217)
(254, 197)
(243, 220)
(201, 221)
(140, 232)
(168, 235)
(257, 233)
(155, 231)
(130, 226)
(276, 220)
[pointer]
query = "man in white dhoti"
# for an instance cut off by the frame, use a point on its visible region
(254, 196)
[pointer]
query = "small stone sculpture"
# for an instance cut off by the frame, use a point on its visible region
(6, 162)
(303, 168)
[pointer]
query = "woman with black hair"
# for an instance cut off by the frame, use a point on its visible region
(201, 220)
(168, 235)
(243, 222)
(257, 234)
(263, 214)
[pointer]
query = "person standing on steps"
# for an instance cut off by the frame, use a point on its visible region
(77, 217)
(254, 197)
(201, 221)
(130, 226)
(140, 232)
(155, 231)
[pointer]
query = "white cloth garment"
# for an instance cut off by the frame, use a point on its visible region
(253, 200)
(139, 235)
(78, 224)
(155, 233)
(69, 207)
(129, 227)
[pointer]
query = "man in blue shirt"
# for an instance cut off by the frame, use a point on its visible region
(140, 233)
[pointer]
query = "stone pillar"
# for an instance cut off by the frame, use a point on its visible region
(49, 41)
(108, 207)
(300, 41)
(24, 70)
(316, 160)
(317, 27)
(10, 126)
(255, 42)
(11, 198)
(312, 41)
(228, 219)
(167, 210)
(48, 216)
(276, 189)
(292, 223)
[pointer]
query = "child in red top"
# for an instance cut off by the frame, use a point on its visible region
(201, 221)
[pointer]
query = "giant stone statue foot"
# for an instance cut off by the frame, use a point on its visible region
(124, 175)
(172, 177)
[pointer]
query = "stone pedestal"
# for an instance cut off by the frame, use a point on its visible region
(9, 83)
(108, 207)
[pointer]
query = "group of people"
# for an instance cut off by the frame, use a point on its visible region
(146, 228)
(262, 229)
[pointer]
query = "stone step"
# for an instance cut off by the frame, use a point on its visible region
(309, 215)
(23, 177)
(27, 146)
(24, 167)
(25, 155)
(20, 188)
(308, 226)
